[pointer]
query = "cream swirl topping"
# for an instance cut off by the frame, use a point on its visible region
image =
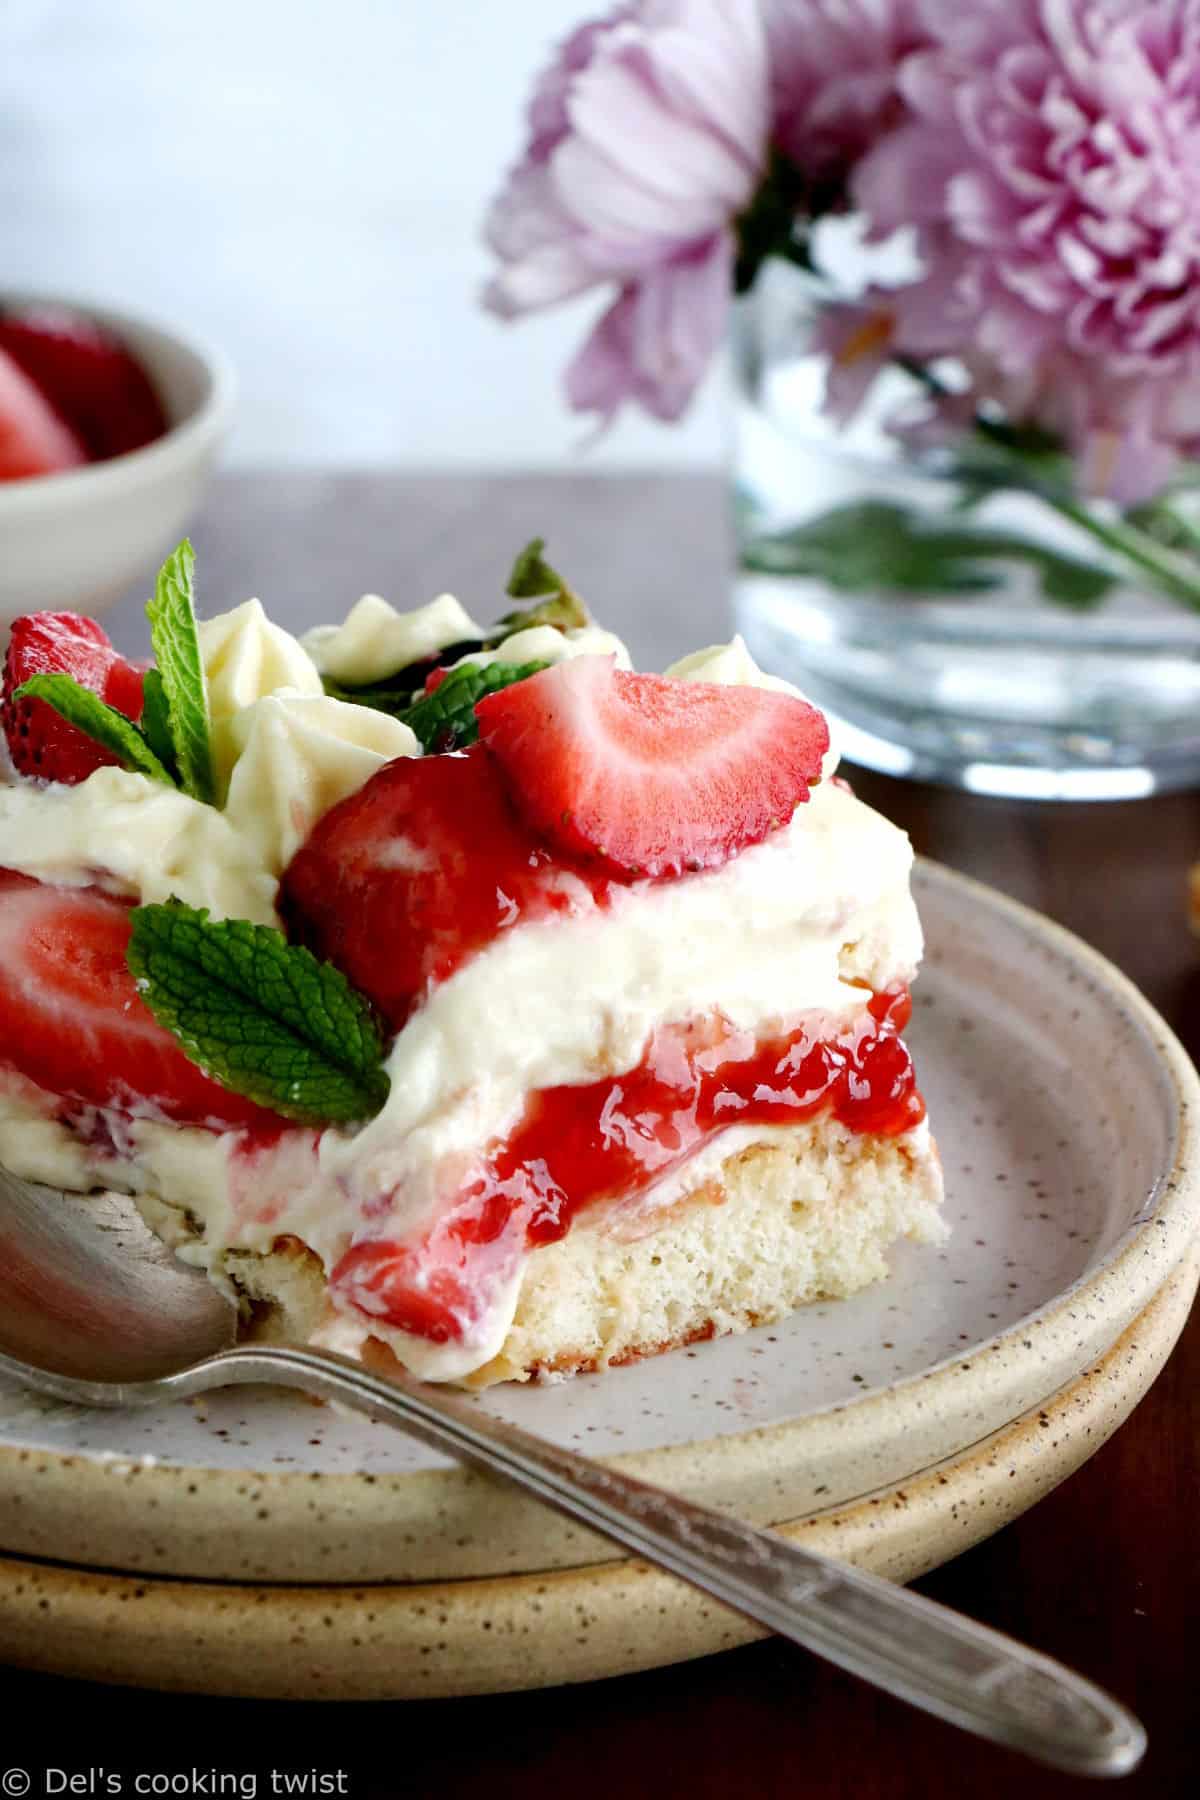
(375, 641)
(298, 755)
(543, 643)
(246, 657)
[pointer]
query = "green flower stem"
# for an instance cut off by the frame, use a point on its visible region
(1170, 575)
(1170, 572)
(1179, 533)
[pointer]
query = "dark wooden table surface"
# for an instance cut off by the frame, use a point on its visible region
(1103, 1573)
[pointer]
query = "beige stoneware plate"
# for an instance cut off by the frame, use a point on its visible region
(424, 1640)
(1064, 1109)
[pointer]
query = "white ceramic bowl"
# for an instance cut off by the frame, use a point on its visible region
(77, 540)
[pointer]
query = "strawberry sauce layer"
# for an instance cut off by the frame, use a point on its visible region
(613, 1138)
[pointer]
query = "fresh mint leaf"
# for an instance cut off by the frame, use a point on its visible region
(156, 727)
(532, 578)
(445, 719)
(531, 574)
(876, 547)
(172, 617)
(261, 1016)
(80, 707)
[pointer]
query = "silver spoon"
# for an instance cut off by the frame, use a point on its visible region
(94, 1309)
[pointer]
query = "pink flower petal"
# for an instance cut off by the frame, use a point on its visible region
(711, 65)
(1050, 160)
(654, 342)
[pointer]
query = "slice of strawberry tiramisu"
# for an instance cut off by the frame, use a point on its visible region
(455, 989)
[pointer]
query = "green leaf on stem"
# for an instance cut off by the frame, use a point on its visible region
(877, 547)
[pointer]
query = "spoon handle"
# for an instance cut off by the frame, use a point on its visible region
(909, 1646)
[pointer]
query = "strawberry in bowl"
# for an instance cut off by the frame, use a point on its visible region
(453, 988)
(109, 426)
(70, 392)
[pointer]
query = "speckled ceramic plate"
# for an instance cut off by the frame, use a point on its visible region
(1064, 1111)
(419, 1640)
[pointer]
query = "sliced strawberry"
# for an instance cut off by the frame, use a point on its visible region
(87, 375)
(40, 742)
(426, 864)
(651, 776)
(33, 439)
(73, 1022)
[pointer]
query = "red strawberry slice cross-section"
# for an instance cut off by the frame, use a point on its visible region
(40, 742)
(649, 775)
(72, 1020)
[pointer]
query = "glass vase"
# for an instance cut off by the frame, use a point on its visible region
(1000, 690)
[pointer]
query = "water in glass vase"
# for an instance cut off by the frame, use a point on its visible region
(992, 686)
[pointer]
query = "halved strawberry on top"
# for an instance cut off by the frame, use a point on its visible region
(403, 881)
(40, 742)
(586, 777)
(649, 775)
(72, 1020)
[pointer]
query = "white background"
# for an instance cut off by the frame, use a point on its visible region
(302, 182)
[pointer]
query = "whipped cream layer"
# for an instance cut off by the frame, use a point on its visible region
(130, 836)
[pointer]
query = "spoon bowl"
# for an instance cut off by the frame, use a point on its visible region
(87, 1290)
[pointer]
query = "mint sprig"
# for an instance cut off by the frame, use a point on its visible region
(445, 719)
(156, 723)
(80, 707)
(532, 578)
(261, 1016)
(172, 616)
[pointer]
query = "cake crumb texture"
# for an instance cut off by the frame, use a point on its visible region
(809, 1215)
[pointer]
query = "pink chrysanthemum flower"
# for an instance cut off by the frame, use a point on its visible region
(1051, 164)
(833, 80)
(647, 138)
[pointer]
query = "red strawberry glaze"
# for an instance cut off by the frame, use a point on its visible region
(576, 1145)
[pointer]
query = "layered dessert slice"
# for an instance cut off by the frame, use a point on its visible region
(458, 992)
